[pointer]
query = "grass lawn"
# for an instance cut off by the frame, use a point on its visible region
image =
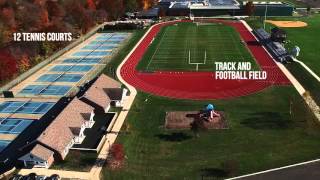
(178, 47)
(76, 161)
(262, 135)
(307, 38)
(306, 79)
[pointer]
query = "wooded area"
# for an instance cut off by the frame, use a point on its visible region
(75, 16)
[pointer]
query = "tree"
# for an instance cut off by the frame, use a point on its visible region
(8, 17)
(30, 17)
(308, 9)
(146, 4)
(114, 8)
(87, 22)
(249, 8)
(131, 5)
(44, 17)
(24, 63)
(116, 156)
(101, 15)
(91, 5)
(55, 10)
(76, 11)
(10, 64)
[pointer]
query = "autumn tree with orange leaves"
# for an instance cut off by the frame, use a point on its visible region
(10, 64)
(91, 5)
(24, 63)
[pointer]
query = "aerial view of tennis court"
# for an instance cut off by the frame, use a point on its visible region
(75, 67)
(17, 115)
(182, 46)
(57, 79)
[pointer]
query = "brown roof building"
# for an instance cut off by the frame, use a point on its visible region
(68, 127)
(97, 92)
(40, 154)
(59, 135)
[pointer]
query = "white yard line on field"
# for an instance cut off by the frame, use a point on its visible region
(155, 52)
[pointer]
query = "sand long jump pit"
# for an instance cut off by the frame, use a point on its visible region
(288, 24)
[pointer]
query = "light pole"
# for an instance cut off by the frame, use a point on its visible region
(265, 16)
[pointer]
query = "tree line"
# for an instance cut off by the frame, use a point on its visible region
(75, 16)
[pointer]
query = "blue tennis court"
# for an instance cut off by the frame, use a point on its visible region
(71, 68)
(4, 144)
(98, 48)
(56, 90)
(117, 38)
(13, 126)
(60, 78)
(96, 42)
(82, 60)
(120, 35)
(92, 53)
(113, 41)
(105, 35)
(103, 43)
(25, 107)
(110, 38)
(103, 38)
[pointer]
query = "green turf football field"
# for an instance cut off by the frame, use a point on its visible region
(181, 47)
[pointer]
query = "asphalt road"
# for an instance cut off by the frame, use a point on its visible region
(303, 172)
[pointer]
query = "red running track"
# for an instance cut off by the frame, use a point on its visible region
(200, 85)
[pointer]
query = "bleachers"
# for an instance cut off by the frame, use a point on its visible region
(276, 49)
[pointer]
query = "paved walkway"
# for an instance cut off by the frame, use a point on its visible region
(62, 174)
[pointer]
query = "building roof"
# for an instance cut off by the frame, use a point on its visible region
(41, 152)
(72, 115)
(59, 134)
(97, 94)
(105, 81)
(154, 12)
(114, 94)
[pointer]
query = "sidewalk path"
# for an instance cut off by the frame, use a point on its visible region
(61, 173)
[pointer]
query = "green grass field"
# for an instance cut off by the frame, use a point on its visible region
(262, 135)
(307, 38)
(180, 47)
(265, 132)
